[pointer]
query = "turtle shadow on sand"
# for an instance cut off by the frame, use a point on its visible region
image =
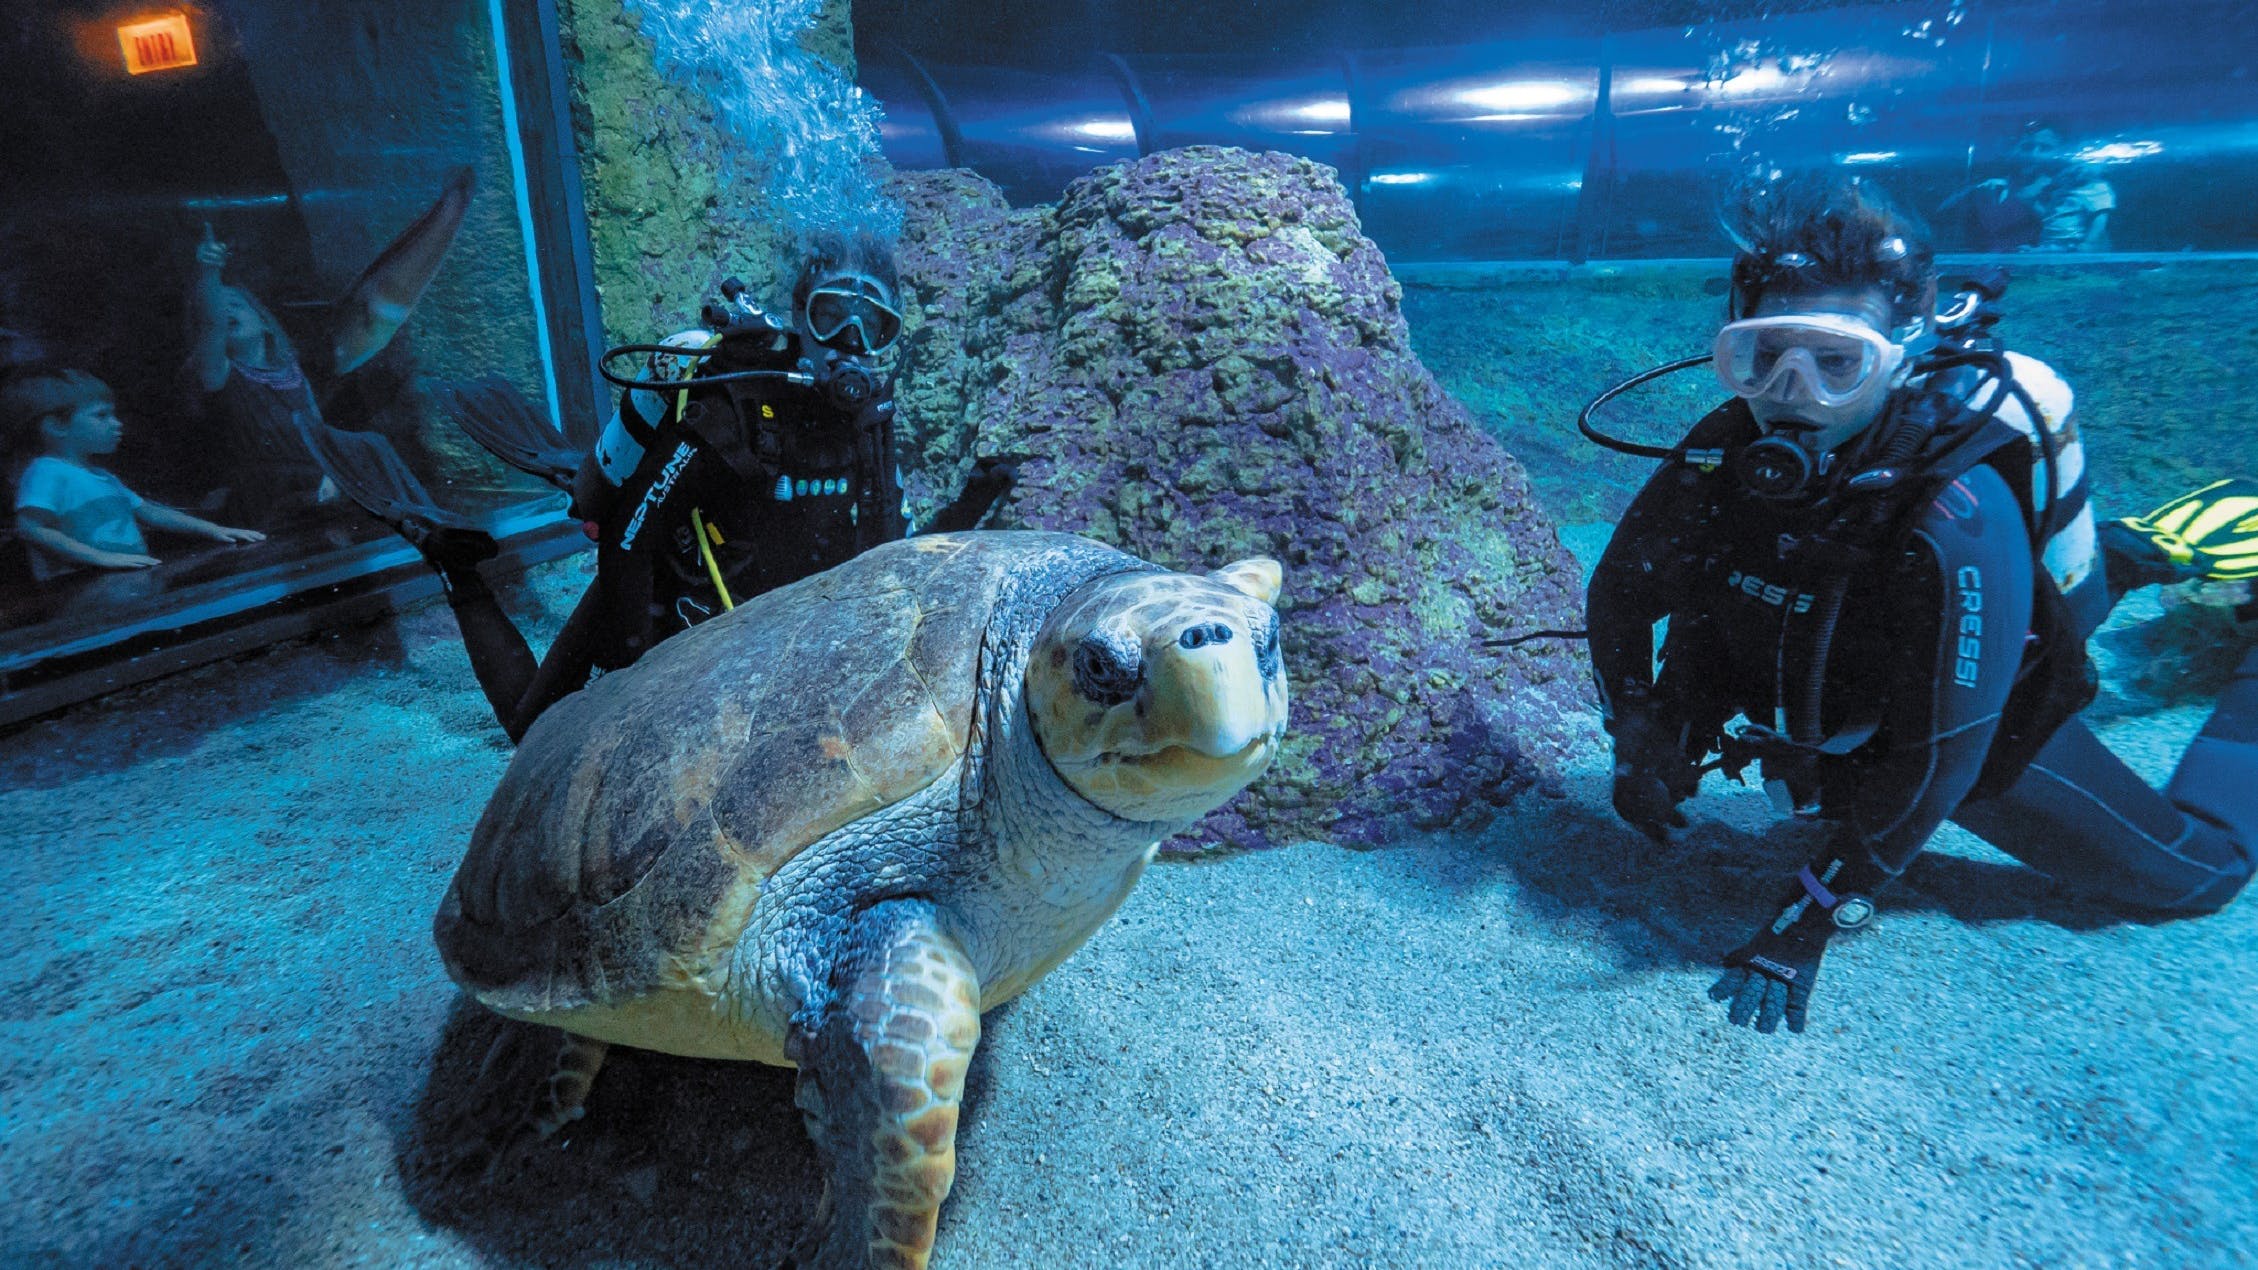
(681, 1162)
(678, 1162)
(1687, 902)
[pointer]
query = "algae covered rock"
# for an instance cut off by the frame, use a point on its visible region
(676, 200)
(1201, 357)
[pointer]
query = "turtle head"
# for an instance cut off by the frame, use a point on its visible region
(1158, 696)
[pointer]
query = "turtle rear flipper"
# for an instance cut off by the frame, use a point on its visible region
(882, 1062)
(533, 1082)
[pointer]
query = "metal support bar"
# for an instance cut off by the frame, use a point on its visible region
(936, 104)
(367, 597)
(1596, 200)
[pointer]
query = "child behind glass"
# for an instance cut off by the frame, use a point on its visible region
(73, 514)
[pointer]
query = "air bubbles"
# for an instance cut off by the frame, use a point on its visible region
(800, 124)
(1932, 31)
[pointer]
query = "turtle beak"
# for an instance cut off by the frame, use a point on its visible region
(1204, 693)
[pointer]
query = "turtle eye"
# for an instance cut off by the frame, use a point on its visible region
(1107, 667)
(1266, 646)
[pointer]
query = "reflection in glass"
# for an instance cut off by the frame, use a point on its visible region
(303, 230)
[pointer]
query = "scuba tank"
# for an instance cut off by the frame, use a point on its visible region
(644, 404)
(619, 449)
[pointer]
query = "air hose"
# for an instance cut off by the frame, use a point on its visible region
(1907, 433)
(1804, 724)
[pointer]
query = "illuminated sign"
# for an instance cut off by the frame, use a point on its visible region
(157, 44)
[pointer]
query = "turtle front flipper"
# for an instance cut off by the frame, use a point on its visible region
(882, 1057)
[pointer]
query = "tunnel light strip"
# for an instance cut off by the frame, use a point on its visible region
(1103, 129)
(1521, 97)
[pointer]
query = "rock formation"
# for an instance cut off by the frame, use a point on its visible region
(1200, 357)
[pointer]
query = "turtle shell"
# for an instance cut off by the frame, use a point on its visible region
(627, 843)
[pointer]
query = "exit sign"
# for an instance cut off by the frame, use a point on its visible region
(157, 44)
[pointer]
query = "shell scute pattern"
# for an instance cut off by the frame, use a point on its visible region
(641, 815)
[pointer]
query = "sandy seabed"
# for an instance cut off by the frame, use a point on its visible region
(228, 1040)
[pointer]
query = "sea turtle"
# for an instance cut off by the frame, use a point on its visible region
(830, 827)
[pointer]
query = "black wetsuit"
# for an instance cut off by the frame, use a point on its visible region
(1934, 629)
(787, 485)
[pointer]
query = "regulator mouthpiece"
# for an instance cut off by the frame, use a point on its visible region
(847, 384)
(1773, 467)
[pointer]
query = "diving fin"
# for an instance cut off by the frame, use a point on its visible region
(2211, 533)
(371, 473)
(508, 426)
(381, 299)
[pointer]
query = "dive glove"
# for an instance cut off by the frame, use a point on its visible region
(1768, 980)
(1652, 775)
(876, 412)
(992, 476)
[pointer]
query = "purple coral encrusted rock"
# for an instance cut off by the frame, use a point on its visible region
(1203, 358)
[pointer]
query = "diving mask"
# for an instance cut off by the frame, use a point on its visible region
(862, 304)
(1813, 381)
(1823, 362)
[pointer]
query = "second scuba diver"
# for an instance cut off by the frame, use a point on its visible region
(750, 455)
(1879, 552)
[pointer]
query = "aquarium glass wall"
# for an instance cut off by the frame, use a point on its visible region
(228, 232)
(1547, 186)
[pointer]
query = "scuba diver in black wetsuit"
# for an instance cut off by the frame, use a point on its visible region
(746, 457)
(1880, 553)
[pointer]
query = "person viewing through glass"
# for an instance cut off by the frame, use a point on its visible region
(72, 514)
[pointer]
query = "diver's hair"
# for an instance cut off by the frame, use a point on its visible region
(834, 254)
(1821, 230)
(36, 394)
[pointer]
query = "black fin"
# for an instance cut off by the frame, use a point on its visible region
(370, 472)
(508, 426)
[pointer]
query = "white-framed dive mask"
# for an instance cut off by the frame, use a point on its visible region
(864, 305)
(1825, 366)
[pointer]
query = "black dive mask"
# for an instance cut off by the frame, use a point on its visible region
(855, 314)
